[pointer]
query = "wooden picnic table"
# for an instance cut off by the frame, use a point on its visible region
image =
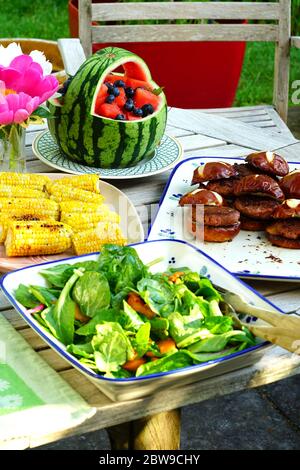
(154, 422)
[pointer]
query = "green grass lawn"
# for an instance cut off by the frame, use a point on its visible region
(48, 19)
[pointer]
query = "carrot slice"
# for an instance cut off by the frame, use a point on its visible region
(137, 303)
(175, 276)
(166, 345)
(80, 316)
(133, 365)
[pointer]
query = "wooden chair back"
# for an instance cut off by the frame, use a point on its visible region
(277, 30)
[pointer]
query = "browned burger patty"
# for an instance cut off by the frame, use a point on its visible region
(216, 234)
(256, 207)
(244, 169)
(217, 216)
(289, 228)
(253, 225)
(225, 187)
(258, 185)
(283, 242)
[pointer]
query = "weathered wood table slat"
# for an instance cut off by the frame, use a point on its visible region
(244, 130)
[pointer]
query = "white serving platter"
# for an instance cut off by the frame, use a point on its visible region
(174, 253)
(249, 255)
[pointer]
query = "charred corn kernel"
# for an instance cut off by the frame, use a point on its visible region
(64, 192)
(90, 241)
(4, 223)
(21, 191)
(19, 207)
(80, 222)
(86, 182)
(37, 238)
(29, 180)
(83, 207)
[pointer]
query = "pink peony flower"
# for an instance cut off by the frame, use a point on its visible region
(23, 87)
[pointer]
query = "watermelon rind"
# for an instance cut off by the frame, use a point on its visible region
(87, 138)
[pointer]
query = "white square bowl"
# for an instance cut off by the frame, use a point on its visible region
(175, 253)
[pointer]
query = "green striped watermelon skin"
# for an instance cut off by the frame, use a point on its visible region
(96, 141)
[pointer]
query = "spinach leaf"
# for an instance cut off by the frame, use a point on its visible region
(61, 315)
(159, 327)
(89, 363)
(158, 294)
(60, 274)
(82, 350)
(205, 357)
(218, 325)
(122, 266)
(111, 347)
(121, 374)
(186, 329)
(191, 304)
(117, 299)
(24, 296)
(131, 319)
(216, 343)
(91, 292)
(171, 362)
(44, 295)
(201, 286)
(141, 341)
(50, 322)
(38, 317)
(104, 315)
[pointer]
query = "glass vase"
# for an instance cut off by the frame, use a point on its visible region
(12, 148)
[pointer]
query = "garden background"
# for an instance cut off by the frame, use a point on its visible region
(48, 19)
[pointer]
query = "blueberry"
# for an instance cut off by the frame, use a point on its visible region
(109, 86)
(128, 106)
(120, 117)
(137, 112)
(109, 99)
(120, 83)
(115, 91)
(147, 109)
(129, 92)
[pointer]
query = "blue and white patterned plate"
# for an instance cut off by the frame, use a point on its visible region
(173, 253)
(250, 255)
(165, 157)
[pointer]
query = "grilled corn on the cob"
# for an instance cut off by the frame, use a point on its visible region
(87, 182)
(83, 207)
(60, 192)
(37, 238)
(21, 191)
(5, 221)
(89, 241)
(81, 222)
(33, 181)
(19, 207)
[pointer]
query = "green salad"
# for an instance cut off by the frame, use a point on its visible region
(121, 320)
